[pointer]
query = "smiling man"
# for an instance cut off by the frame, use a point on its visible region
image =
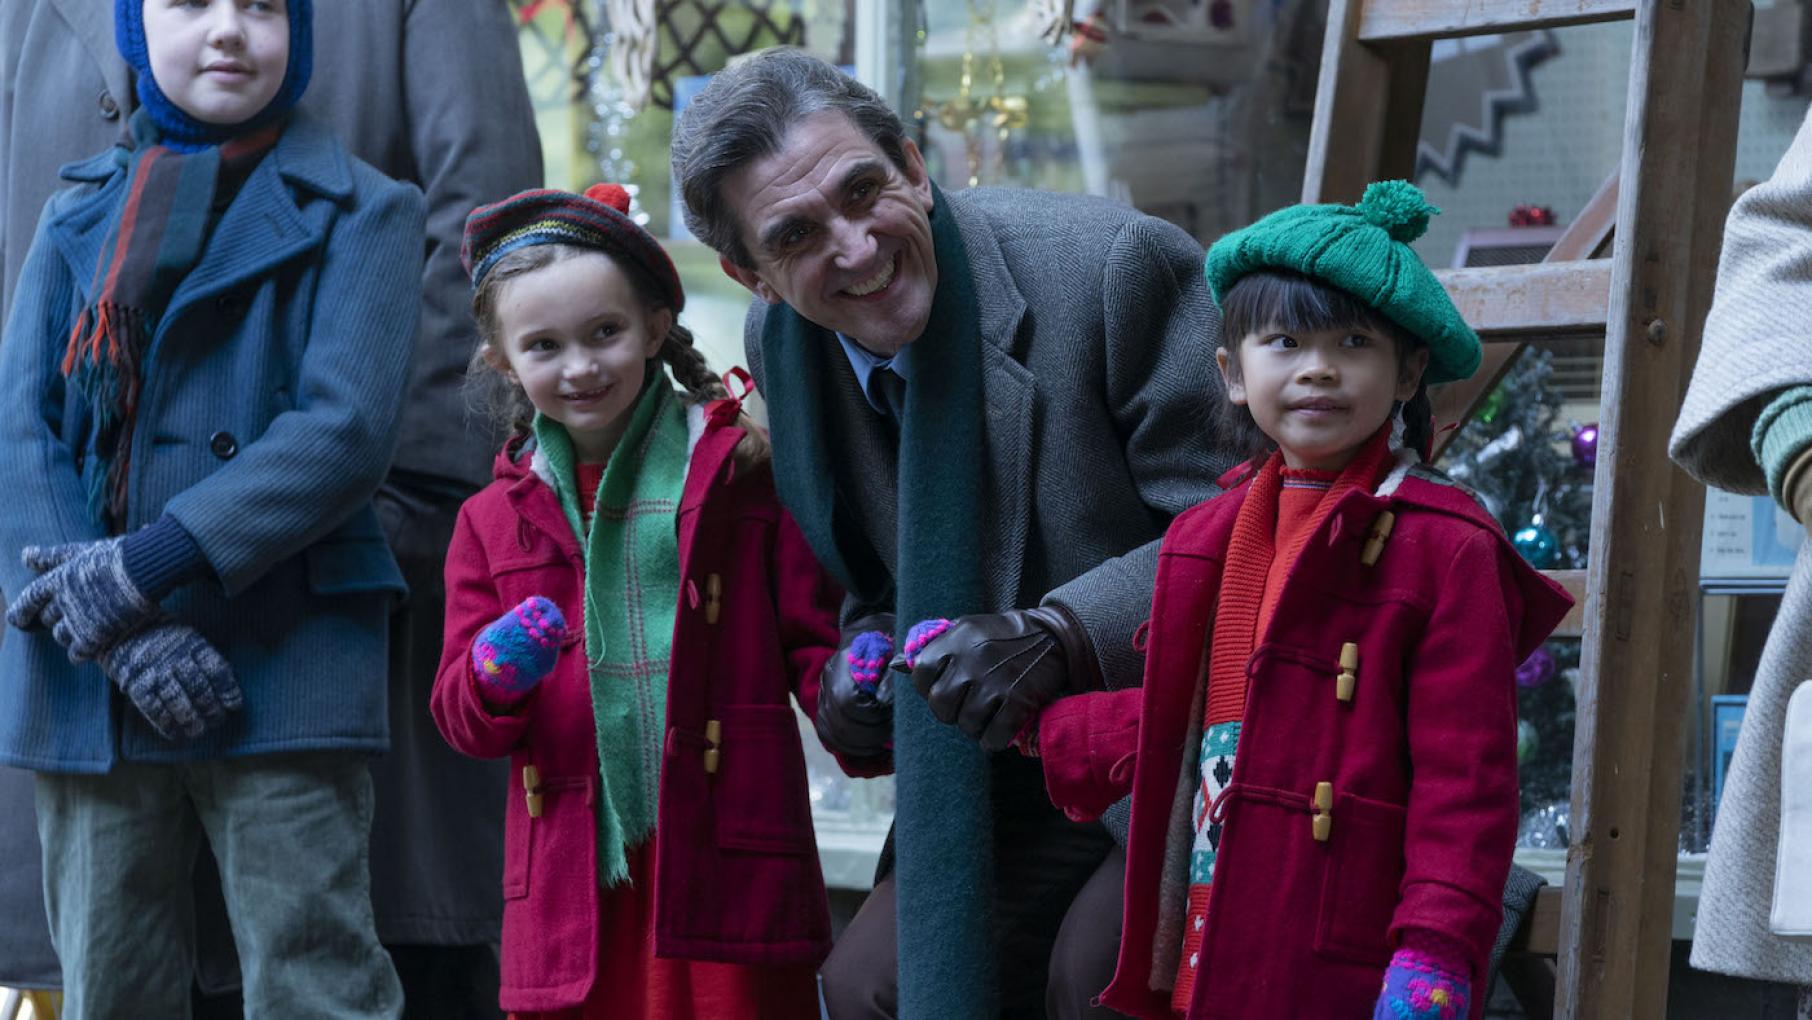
(986, 405)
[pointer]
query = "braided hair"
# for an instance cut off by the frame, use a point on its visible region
(686, 363)
(505, 404)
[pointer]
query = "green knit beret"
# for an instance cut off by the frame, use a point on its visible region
(1363, 250)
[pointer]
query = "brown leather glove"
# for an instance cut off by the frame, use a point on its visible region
(1796, 488)
(990, 674)
(855, 711)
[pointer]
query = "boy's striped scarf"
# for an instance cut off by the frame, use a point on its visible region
(154, 242)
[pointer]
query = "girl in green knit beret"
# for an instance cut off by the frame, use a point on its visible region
(1344, 623)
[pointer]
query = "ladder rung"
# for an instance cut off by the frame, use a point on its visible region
(1541, 299)
(1574, 582)
(1540, 932)
(1385, 20)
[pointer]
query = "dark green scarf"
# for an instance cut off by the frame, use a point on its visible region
(943, 824)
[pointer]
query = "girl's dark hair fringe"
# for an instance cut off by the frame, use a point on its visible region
(503, 402)
(1277, 299)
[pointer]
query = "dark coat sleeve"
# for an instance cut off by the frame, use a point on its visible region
(472, 140)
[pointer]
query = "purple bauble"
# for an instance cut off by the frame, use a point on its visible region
(1585, 445)
(1536, 670)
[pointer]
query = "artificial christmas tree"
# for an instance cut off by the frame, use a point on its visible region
(1523, 459)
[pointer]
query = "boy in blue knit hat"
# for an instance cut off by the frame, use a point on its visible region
(200, 377)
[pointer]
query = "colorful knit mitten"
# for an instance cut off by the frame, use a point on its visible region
(922, 633)
(868, 653)
(517, 651)
(1426, 980)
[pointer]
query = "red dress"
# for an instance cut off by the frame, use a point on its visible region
(633, 982)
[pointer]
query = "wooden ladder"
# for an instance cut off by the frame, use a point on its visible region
(1661, 215)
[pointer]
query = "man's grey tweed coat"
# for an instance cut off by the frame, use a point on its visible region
(1758, 341)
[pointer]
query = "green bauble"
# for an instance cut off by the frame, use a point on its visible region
(1527, 741)
(1492, 406)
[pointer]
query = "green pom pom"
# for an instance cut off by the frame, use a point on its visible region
(1399, 207)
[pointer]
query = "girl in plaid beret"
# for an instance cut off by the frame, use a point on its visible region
(629, 611)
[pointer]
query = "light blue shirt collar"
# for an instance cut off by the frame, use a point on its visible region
(867, 365)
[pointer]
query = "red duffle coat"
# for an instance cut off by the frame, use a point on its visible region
(1421, 762)
(736, 875)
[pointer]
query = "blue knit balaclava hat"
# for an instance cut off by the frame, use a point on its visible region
(183, 132)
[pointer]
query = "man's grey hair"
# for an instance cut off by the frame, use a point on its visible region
(744, 114)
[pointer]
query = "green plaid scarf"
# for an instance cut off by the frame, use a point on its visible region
(632, 587)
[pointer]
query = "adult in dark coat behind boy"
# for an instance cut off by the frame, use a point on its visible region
(427, 91)
(988, 402)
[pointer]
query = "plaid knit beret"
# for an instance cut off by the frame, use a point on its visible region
(597, 219)
(1363, 250)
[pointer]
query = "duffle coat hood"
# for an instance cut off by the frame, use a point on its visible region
(1420, 762)
(736, 875)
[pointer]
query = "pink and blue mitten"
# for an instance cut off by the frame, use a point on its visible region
(922, 633)
(868, 654)
(517, 651)
(1426, 980)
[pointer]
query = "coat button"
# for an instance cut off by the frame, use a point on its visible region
(531, 790)
(1322, 826)
(1349, 672)
(223, 445)
(714, 736)
(109, 108)
(1375, 538)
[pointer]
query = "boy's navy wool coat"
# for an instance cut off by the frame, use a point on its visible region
(271, 395)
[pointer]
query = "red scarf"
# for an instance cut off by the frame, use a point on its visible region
(1238, 620)
(1252, 578)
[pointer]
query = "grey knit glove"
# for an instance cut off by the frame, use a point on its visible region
(84, 596)
(179, 683)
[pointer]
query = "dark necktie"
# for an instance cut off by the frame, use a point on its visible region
(893, 393)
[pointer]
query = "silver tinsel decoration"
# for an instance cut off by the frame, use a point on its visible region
(1545, 828)
(1500, 447)
(607, 136)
